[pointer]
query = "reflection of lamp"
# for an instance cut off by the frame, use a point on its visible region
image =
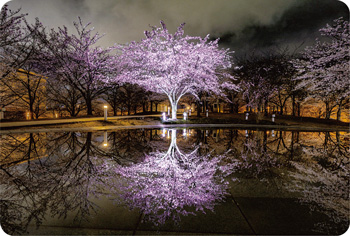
(105, 140)
(246, 133)
(273, 133)
(105, 107)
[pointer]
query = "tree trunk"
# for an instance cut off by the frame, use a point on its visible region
(198, 109)
(143, 107)
(88, 106)
(173, 111)
(339, 110)
(293, 105)
(328, 111)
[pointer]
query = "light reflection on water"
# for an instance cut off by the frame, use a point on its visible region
(163, 176)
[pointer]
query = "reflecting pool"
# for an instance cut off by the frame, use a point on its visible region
(172, 181)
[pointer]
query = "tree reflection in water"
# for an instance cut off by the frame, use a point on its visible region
(58, 181)
(169, 184)
(58, 174)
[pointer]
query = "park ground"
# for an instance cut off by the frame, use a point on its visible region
(154, 121)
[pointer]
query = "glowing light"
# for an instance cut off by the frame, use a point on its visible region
(105, 139)
(105, 112)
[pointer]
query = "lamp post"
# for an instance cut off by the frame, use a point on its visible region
(189, 112)
(207, 113)
(246, 115)
(168, 111)
(2, 114)
(105, 111)
(164, 116)
(246, 133)
(273, 133)
(273, 117)
(185, 115)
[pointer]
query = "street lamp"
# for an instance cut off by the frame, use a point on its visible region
(105, 111)
(164, 116)
(185, 115)
(207, 113)
(168, 111)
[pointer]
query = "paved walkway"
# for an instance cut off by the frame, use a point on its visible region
(66, 121)
(159, 126)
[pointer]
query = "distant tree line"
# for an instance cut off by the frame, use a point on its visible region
(43, 70)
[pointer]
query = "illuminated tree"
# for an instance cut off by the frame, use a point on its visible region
(11, 34)
(74, 60)
(324, 68)
(19, 48)
(175, 65)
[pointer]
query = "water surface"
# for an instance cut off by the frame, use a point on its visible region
(148, 181)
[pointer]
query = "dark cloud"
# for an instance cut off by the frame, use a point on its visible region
(242, 25)
(298, 25)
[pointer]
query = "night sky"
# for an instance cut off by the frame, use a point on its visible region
(242, 25)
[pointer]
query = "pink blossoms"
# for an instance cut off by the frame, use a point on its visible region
(175, 65)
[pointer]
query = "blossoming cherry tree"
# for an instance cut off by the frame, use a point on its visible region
(175, 65)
